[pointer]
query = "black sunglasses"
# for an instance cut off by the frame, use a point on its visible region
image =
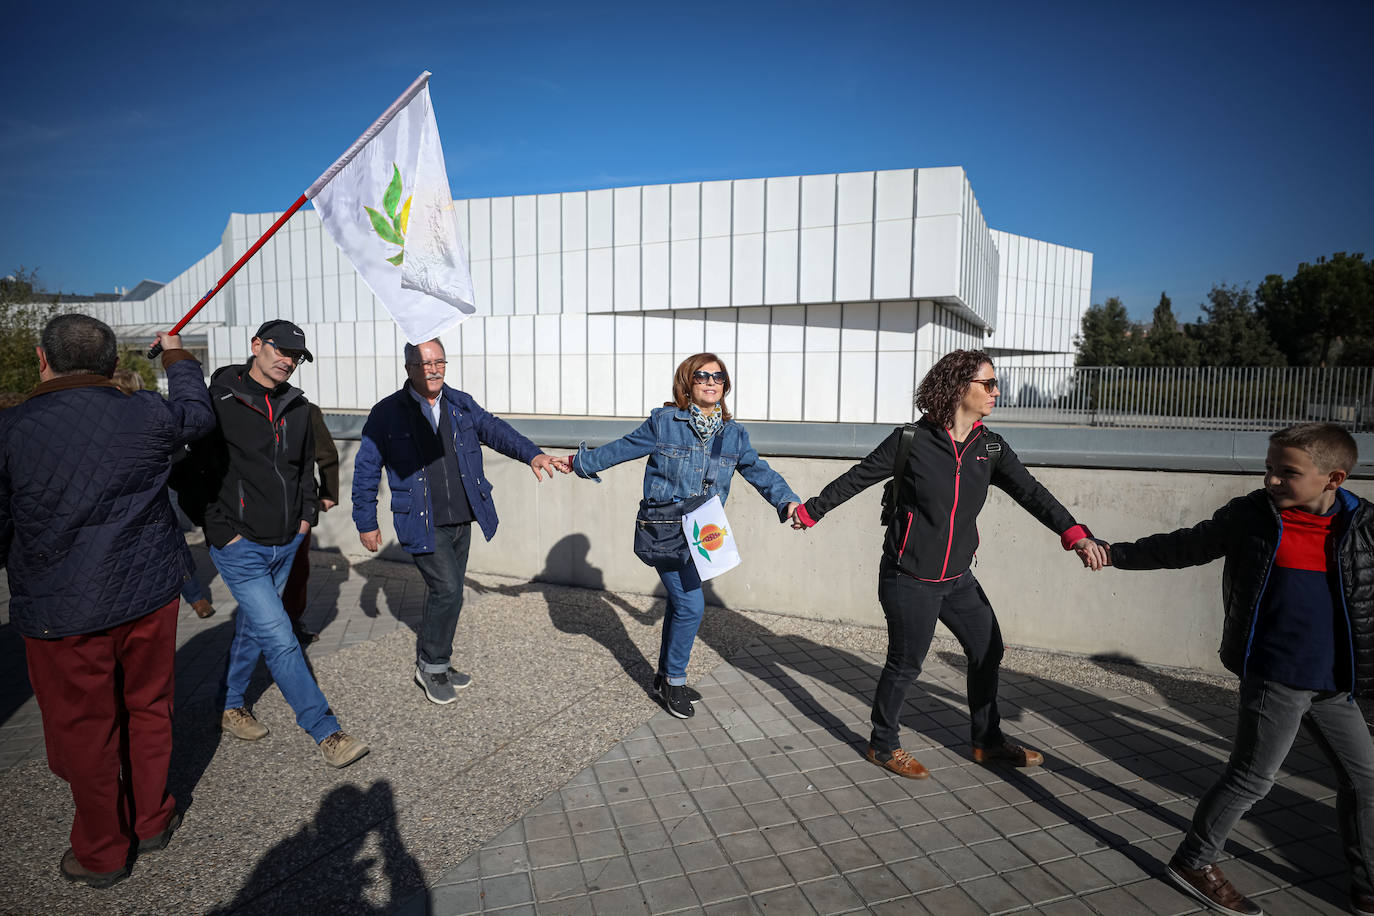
(989, 384)
(702, 378)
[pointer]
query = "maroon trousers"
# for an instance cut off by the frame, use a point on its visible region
(106, 702)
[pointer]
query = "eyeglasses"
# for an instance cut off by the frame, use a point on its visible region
(430, 364)
(293, 355)
(701, 378)
(989, 384)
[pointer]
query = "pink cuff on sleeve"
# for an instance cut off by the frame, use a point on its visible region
(1074, 535)
(805, 516)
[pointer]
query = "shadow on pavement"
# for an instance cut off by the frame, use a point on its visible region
(367, 869)
(1169, 759)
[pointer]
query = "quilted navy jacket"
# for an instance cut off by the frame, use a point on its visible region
(86, 530)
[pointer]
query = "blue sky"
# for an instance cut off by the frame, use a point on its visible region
(1183, 144)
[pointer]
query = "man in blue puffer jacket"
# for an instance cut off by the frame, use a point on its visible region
(429, 437)
(96, 561)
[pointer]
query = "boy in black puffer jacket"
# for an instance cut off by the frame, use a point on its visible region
(1298, 589)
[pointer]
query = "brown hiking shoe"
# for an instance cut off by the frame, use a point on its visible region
(1006, 752)
(340, 749)
(1210, 886)
(240, 723)
(203, 608)
(74, 871)
(899, 762)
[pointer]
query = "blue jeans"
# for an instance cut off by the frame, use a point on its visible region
(443, 572)
(686, 607)
(256, 574)
(1269, 717)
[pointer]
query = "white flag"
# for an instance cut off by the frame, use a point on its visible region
(386, 203)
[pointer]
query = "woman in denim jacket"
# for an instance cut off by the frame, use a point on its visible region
(677, 438)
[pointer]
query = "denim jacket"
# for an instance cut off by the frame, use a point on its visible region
(677, 461)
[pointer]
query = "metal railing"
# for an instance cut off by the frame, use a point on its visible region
(1188, 397)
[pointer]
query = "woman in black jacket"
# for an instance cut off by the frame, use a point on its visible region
(931, 537)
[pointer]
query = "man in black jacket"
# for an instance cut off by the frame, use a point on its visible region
(95, 560)
(264, 455)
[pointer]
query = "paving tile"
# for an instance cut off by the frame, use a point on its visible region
(603, 874)
(832, 895)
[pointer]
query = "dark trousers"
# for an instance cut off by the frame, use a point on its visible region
(1269, 717)
(443, 572)
(912, 607)
(293, 596)
(106, 702)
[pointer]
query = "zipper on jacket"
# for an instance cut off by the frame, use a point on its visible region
(1345, 605)
(958, 471)
(901, 550)
(240, 482)
(1254, 610)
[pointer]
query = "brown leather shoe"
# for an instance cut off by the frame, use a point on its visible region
(1006, 752)
(203, 608)
(901, 763)
(1210, 886)
(1361, 904)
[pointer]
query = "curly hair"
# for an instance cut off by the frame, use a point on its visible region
(682, 382)
(944, 386)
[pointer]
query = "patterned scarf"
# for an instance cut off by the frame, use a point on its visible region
(705, 425)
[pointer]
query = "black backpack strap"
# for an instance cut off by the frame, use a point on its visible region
(899, 466)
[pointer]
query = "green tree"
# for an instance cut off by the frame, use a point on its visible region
(1108, 337)
(1169, 346)
(24, 309)
(1324, 314)
(1231, 333)
(137, 360)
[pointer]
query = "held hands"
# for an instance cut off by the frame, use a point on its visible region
(548, 464)
(1094, 552)
(327, 504)
(797, 524)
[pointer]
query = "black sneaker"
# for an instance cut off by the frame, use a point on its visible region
(674, 698)
(692, 696)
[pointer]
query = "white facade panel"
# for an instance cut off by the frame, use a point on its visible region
(805, 286)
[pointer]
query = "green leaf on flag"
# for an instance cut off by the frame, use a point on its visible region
(393, 192)
(702, 551)
(383, 227)
(397, 259)
(696, 531)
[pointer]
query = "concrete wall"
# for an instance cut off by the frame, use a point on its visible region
(573, 531)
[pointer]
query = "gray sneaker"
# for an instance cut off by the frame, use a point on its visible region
(240, 723)
(340, 749)
(458, 679)
(436, 685)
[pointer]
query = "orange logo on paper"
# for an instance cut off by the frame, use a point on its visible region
(712, 537)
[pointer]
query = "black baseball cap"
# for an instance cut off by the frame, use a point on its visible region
(284, 334)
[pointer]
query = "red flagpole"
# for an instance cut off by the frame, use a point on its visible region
(156, 348)
(310, 193)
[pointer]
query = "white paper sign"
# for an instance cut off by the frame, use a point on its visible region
(710, 539)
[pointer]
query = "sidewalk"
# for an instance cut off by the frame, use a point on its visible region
(555, 785)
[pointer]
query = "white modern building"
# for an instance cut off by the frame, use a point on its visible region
(828, 296)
